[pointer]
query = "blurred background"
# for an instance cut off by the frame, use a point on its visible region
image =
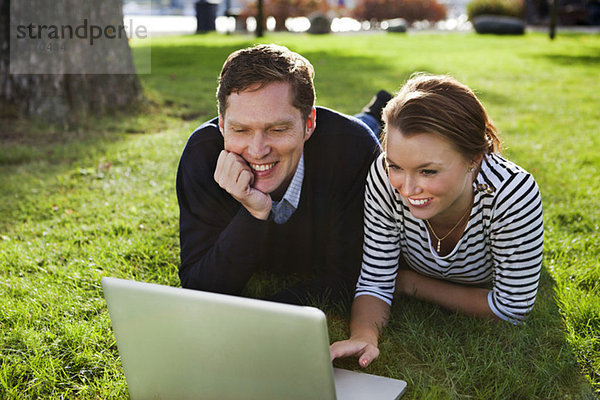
(179, 16)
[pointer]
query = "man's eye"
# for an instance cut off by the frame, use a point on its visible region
(429, 172)
(279, 130)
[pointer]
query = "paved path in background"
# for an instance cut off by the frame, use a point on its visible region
(180, 25)
(164, 24)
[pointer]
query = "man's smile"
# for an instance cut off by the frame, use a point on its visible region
(262, 167)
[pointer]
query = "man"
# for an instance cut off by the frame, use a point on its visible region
(273, 184)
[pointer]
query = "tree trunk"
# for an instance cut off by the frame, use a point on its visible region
(553, 17)
(62, 79)
(280, 24)
(260, 19)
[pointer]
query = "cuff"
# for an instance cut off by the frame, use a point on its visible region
(498, 313)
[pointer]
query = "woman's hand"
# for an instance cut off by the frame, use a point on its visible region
(369, 315)
(364, 349)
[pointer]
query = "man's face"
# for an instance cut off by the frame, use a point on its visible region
(268, 132)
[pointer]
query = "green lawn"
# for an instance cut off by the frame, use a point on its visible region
(98, 199)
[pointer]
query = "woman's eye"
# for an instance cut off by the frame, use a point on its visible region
(429, 172)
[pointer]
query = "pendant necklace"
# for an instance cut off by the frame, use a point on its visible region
(439, 240)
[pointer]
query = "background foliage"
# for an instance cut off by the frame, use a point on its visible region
(507, 8)
(410, 10)
(283, 9)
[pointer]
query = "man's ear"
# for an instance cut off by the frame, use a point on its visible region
(221, 123)
(311, 124)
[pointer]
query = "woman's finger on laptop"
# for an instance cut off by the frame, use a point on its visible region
(369, 354)
(365, 351)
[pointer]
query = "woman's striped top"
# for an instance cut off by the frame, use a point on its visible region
(502, 242)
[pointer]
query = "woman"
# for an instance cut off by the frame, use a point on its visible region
(458, 216)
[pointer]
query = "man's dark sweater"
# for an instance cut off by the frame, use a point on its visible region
(223, 245)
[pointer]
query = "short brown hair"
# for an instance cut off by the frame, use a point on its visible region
(441, 105)
(255, 67)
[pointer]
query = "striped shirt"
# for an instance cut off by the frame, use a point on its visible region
(502, 242)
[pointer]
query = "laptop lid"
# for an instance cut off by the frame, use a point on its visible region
(185, 344)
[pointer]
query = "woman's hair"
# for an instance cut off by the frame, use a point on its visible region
(441, 105)
(255, 67)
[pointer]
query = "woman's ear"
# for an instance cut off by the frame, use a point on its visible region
(475, 163)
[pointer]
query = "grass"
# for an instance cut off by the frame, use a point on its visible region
(97, 199)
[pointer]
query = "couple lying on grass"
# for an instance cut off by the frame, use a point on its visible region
(276, 185)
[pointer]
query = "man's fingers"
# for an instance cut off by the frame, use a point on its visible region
(220, 166)
(228, 173)
(233, 174)
(245, 179)
(227, 167)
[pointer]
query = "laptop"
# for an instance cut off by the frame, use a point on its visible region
(186, 344)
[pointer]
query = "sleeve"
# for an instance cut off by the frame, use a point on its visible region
(219, 238)
(381, 246)
(343, 211)
(516, 239)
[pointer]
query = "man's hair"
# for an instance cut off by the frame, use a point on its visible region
(255, 67)
(441, 105)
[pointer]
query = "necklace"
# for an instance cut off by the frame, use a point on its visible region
(439, 240)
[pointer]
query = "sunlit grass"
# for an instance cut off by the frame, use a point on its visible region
(98, 200)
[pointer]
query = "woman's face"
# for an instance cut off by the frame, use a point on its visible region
(432, 177)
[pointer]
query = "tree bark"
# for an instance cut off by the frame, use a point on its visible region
(553, 17)
(66, 87)
(260, 20)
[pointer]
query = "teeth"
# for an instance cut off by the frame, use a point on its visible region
(417, 202)
(261, 167)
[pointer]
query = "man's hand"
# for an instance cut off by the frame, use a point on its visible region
(235, 176)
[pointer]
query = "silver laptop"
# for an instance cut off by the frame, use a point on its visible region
(185, 344)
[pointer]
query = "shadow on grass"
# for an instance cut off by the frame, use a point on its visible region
(590, 60)
(448, 355)
(489, 97)
(439, 353)
(34, 153)
(182, 86)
